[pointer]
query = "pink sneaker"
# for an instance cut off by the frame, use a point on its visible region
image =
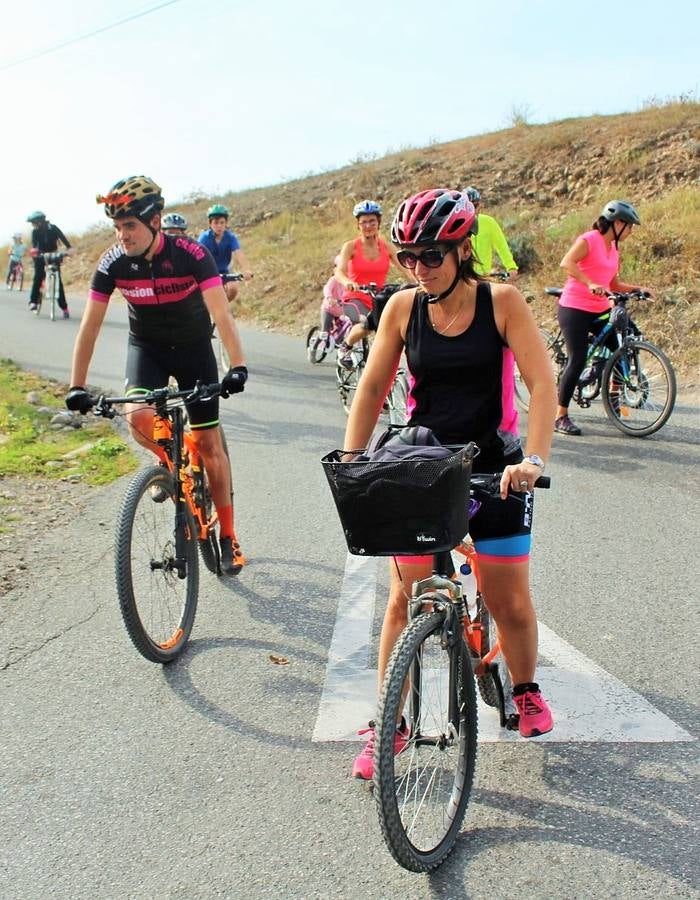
(535, 715)
(363, 767)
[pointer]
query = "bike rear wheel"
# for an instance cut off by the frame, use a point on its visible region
(316, 349)
(157, 605)
(486, 683)
(209, 547)
(639, 388)
(422, 792)
(522, 394)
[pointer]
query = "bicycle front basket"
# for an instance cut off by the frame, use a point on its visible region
(408, 506)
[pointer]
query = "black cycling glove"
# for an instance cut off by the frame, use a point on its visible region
(234, 381)
(78, 400)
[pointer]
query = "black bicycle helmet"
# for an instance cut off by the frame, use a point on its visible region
(620, 211)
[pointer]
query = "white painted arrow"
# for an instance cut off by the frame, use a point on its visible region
(588, 703)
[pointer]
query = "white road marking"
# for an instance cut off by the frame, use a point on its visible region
(588, 703)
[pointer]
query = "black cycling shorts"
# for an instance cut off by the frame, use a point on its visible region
(149, 366)
(501, 529)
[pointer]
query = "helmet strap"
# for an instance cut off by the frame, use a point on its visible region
(433, 298)
(617, 234)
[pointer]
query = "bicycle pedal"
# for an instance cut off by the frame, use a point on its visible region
(512, 722)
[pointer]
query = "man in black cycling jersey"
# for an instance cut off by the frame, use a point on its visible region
(173, 290)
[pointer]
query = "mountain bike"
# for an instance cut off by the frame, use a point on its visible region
(422, 792)
(348, 379)
(156, 561)
(52, 281)
(218, 347)
(636, 381)
(15, 275)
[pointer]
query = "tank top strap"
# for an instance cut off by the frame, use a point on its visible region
(484, 314)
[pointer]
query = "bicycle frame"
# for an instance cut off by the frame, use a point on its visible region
(169, 433)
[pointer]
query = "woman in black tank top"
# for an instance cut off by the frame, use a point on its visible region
(454, 329)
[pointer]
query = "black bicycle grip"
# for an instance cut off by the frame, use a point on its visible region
(543, 481)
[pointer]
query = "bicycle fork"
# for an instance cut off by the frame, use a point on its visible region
(164, 434)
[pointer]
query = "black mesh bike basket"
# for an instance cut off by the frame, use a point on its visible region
(408, 506)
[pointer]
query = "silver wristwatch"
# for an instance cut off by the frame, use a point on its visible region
(535, 460)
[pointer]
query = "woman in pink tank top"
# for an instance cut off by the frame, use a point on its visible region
(592, 265)
(363, 261)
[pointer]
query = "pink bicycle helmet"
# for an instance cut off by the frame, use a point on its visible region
(435, 216)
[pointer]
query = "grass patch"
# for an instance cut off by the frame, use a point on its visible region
(31, 448)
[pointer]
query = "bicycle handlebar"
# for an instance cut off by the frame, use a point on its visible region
(102, 406)
(491, 484)
(55, 256)
(621, 296)
(617, 296)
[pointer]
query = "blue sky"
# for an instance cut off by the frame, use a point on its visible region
(218, 95)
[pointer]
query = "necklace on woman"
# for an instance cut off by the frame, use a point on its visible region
(449, 324)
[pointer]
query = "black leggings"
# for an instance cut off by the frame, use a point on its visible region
(39, 272)
(576, 325)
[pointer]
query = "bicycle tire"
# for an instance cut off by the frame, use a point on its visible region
(209, 547)
(316, 351)
(522, 394)
(486, 682)
(639, 388)
(397, 399)
(347, 382)
(419, 645)
(51, 282)
(151, 595)
(21, 280)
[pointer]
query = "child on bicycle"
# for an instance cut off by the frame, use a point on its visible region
(223, 244)
(453, 329)
(15, 252)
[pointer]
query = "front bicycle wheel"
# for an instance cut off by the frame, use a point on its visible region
(522, 394)
(397, 401)
(423, 791)
(639, 388)
(316, 349)
(157, 591)
(20, 280)
(347, 382)
(51, 292)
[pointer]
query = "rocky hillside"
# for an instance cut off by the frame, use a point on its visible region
(545, 183)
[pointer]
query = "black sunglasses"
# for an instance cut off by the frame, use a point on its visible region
(432, 258)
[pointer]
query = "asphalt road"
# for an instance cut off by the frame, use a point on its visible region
(124, 779)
